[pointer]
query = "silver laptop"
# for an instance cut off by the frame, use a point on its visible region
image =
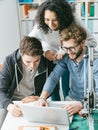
(53, 114)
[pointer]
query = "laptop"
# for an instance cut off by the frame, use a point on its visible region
(53, 114)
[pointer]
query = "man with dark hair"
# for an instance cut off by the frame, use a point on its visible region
(52, 17)
(23, 73)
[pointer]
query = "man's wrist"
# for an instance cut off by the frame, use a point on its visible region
(42, 98)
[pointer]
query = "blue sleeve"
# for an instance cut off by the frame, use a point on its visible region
(54, 76)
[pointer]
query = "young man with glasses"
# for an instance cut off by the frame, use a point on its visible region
(73, 43)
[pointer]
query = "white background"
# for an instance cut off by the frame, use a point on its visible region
(9, 28)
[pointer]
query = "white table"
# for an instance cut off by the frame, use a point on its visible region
(12, 123)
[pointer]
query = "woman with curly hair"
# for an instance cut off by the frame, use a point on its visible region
(52, 17)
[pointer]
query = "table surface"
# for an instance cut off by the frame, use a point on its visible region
(79, 123)
(12, 123)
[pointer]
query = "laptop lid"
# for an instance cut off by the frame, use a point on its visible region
(50, 115)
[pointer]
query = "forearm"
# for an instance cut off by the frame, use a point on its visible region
(44, 95)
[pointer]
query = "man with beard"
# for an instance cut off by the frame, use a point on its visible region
(72, 41)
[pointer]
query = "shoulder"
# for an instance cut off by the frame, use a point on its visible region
(9, 64)
(11, 59)
(35, 31)
(13, 56)
(46, 63)
(45, 60)
(65, 58)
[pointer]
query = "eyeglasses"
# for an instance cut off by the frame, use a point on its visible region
(72, 49)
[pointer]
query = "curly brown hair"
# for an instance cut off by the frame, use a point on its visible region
(61, 8)
(30, 46)
(75, 32)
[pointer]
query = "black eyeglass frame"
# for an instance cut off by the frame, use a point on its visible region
(72, 49)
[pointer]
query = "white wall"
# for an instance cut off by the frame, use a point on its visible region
(9, 28)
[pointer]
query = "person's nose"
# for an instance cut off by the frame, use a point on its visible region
(32, 65)
(50, 23)
(69, 51)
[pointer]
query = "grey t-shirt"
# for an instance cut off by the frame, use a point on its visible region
(26, 85)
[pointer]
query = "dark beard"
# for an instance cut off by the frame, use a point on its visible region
(78, 54)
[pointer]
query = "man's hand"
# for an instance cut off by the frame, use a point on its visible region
(42, 99)
(42, 102)
(30, 99)
(14, 110)
(73, 107)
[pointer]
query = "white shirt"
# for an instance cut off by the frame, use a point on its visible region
(51, 40)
